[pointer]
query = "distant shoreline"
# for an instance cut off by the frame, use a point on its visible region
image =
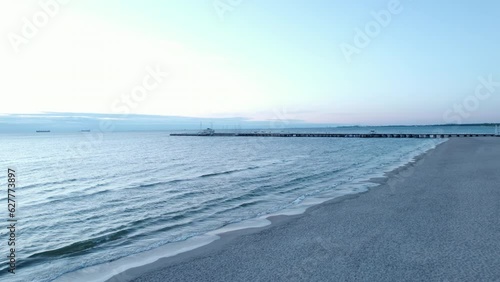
(144, 123)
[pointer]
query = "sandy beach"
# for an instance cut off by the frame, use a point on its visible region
(436, 219)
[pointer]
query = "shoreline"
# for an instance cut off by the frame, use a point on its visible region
(227, 234)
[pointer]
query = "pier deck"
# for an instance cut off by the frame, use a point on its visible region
(339, 135)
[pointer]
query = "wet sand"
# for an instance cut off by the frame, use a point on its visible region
(436, 219)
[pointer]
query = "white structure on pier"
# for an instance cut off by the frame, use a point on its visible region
(207, 132)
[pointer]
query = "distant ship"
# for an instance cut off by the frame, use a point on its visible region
(43, 131)
(85, 130)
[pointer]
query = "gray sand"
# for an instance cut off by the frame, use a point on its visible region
(437, 219)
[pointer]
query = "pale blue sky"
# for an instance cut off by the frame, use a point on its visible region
(272, 60)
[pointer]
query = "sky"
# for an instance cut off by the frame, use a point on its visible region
(316, 61)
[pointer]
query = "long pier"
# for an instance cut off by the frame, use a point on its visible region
(338, 135)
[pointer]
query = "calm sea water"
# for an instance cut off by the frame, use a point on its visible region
(86, 201)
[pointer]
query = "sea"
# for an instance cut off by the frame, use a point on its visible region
(88, 202)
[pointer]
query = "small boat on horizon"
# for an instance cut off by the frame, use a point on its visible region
(85, 130)
(42, 131)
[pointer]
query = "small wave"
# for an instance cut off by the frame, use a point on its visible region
(167, 228)
(228, 171)
(78, 195)
(160, 183)
(154, 184)
(258, 191)
(81, 246)
(317, 177)
(242, 205)
(65, 181)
